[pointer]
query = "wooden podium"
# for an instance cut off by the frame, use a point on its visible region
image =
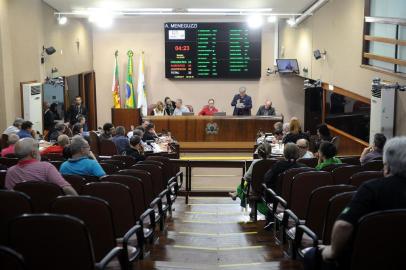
(126, 117)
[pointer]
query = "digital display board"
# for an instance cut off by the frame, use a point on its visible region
(212, 51)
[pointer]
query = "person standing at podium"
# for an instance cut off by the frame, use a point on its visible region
(242, 103)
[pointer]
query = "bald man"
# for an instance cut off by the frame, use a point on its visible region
(303, 145)
(266, 110)
(242, 103)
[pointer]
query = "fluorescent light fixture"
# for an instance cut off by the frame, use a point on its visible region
(62, 20)
(272, 19)
(255, 21)
(291, 22)
(250, 10)
(148, 10)
(101, 17)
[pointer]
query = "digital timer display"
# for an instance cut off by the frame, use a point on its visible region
(212, 51)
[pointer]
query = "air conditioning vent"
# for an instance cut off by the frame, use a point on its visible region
(376, 93)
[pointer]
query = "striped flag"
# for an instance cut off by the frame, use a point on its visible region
(116, 84)
(141, 93)
(129, 93)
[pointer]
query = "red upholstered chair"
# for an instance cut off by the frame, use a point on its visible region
(42, 194)
(361, 177)
(190, 107)
(10, 259)
(342, 175)
(94, 143)
(375, 165)
(150, 110)
(65, 243)
(107, 148)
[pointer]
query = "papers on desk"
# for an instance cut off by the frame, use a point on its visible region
(277, 149)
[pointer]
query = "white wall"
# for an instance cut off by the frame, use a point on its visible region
(147, 34)
(337, 28)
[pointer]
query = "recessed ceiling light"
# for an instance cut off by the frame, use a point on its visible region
(272, 19)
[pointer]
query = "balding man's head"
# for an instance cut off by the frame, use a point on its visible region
(12, 138)
(268, 104)
(242, 91)
(63, 140)
(27, 148)
(303, 145)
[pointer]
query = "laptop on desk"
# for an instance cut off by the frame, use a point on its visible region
(219, 114)
(188, 113)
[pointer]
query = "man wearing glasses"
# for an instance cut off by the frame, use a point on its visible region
(83, 162)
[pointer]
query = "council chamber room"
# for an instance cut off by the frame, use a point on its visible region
(170, 134)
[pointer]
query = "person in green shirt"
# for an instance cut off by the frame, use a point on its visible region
(327, 155)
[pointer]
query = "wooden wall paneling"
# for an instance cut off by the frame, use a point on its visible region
(349, 145)
(90, 93)
(126, 117)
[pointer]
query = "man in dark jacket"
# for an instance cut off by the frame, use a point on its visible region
(75, 111)
(242, 103)
(266, 110)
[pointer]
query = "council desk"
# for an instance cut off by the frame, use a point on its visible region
(214, 128)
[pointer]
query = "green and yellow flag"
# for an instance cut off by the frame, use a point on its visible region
(129, 94)
(116, 85)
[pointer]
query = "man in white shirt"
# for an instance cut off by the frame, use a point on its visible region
(180, 108)
(303, 145)
(15, 128)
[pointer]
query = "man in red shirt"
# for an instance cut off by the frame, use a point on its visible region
(209, 109)
(63, 140)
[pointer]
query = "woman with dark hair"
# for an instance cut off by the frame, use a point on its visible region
(327, 155)
(77, 129)
(291, 154)
(169, 106)
(323, 135)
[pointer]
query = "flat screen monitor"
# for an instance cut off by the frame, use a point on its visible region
(219, 114)
(287, 65)
(188, 113)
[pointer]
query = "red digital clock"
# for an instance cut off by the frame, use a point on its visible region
(182, 48)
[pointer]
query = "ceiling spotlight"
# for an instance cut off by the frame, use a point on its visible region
(272, 19)
(255, 21)
(291, 22)
(62, 20)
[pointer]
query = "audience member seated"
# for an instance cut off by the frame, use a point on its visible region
(327, 155)
(291, 155)
(26, 130)
(12, 139)
(242, 103)
(54, 133)
(323, 134)
(108, 131)
(159, 109)
(136, 150)
(30, 168)
(150, 134)
(295, 132)
(374, 151)
(83, 162)
(264, 152)
(120, 140)
(82, 121)
(303, 145)
(63, 141)
(77, 129)
(278, 126)
(169, 106)
(15, 128)
(285, 128)
(50, 115)
(385, 193)
(266, 110)
(209, 109)
(179, 108)
(144, 124)
(278, 131)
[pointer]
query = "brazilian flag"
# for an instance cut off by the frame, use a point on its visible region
(129, 87)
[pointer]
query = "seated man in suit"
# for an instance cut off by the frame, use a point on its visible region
(209, 109)
(242, 103)
(266, 110)
(180, 108)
